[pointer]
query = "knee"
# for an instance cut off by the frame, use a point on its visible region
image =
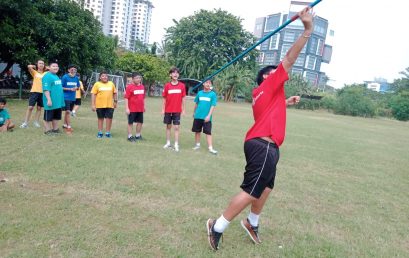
(30, 108)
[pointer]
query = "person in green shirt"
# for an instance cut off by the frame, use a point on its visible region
(5, 122)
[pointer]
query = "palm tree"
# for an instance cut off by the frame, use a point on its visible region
(234, 81)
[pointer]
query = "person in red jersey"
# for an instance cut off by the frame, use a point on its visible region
(135, 106)
(173, 106)
(262, 142)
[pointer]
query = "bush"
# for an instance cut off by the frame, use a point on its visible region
(400, 106)
(354, 101)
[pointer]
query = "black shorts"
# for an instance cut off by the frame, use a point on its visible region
(262, 158)
(77, 102)
(169, 117)
(69, 105)
(105, 113)
(53, 114)
(199, 124)
(135, 117)
(35, 98)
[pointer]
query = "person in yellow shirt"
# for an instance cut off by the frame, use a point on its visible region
(78, 94)
(104, 101)
(36, 94)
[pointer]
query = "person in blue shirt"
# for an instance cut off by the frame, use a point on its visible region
(53, 99)
(5, 122)
(70, 84)
(206, 101)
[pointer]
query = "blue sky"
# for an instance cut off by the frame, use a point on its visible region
(371, 40)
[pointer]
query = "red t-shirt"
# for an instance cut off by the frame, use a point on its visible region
(174, 95)
(269, 108)
(136, 97)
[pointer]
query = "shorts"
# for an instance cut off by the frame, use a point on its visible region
(105, 113)
(262, 158)
(35, 98)
(69, 105)
(169, 117)
(135, 117)
(77, 102)
(53, 114)
(199, 124)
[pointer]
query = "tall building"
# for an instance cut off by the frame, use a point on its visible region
(315, 52)
(129, 20)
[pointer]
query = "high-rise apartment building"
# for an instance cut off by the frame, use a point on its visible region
(315, 52)
(129, 20)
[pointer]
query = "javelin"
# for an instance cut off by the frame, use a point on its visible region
(295, 17)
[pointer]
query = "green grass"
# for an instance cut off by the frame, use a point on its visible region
(341, 189)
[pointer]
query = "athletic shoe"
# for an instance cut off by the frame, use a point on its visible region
(100, 135)
(213, 236)
(49, 133)
(196, 147)
(213, 151)
(251, 230)
(176, 148)
(24, 125)
(56, 131)
(108, 135)
(68, 130)
(131, 139)
(64, 126)
(73, 114)
(167, 146)
(138, 138)
(36, 124)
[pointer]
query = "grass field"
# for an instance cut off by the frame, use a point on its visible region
(341, 189)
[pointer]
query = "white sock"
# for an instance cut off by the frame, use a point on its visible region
(167, 142)
(129, 135)
(210, 147)
(176, 144)
(253, 219)
(221, 224)
(198, 144)
(137, 135)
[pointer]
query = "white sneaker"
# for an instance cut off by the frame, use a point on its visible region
(213, 151)
(196, 147)
(177, 148)
(73, 114)
(167, 146)
(36, 124)
(24, 125)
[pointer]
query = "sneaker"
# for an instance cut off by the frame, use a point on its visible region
(68, 130)
(64, 126)
(100, 135)
(73, 114)
(131, 139)
(108, 135)
(176, 148)
(213, 151)
(213, 236)
(196, 147)
(167, 146)
(24, 125)
(49, 133)
(56, 131)
(36, 124)
(138, 138)
(251, 231)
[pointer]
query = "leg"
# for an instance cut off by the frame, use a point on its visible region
(197, 138)
(10, 124)
(209, 141)
(108, 122)
(75, 109)
(168, 130)
(28, 114)
(130, 129)
(38, 113)
(258, 204)
(67, 118)
(55, 124)
(176, 131)
(138, 128)
(100, 124)
(237, 205)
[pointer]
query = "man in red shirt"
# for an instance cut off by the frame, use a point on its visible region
(173, 94)
(262, 141)
(135, 106)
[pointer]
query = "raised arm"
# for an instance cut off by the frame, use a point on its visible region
(292, 54)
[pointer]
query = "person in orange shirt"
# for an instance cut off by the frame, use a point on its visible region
(36, 94)
(78, 94)
(104, 101)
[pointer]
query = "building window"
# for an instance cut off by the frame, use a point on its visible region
(313, 45)
(300, 61)
(284, 50)
(297, 71)
(312, 77)
(274, 42)
(289, 36)
(320, 47)
(310, 62)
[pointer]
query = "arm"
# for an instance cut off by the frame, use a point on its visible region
(207, 119)
(47, 95)
(31, 69)
(163, 106)
(298, 45)
(194, 110)
(93, 97)
(127, 107)
(183, 105)
(115, 99)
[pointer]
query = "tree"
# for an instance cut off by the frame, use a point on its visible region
(151, 67)
(53, 30)
(201, 43)
(235, 81)
(400, 106)
(401, 84)
(354, 100)
(297, 85)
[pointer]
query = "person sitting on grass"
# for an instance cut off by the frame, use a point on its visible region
(104, 101)
(206, 101)
(135, 106)
(5, 121)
